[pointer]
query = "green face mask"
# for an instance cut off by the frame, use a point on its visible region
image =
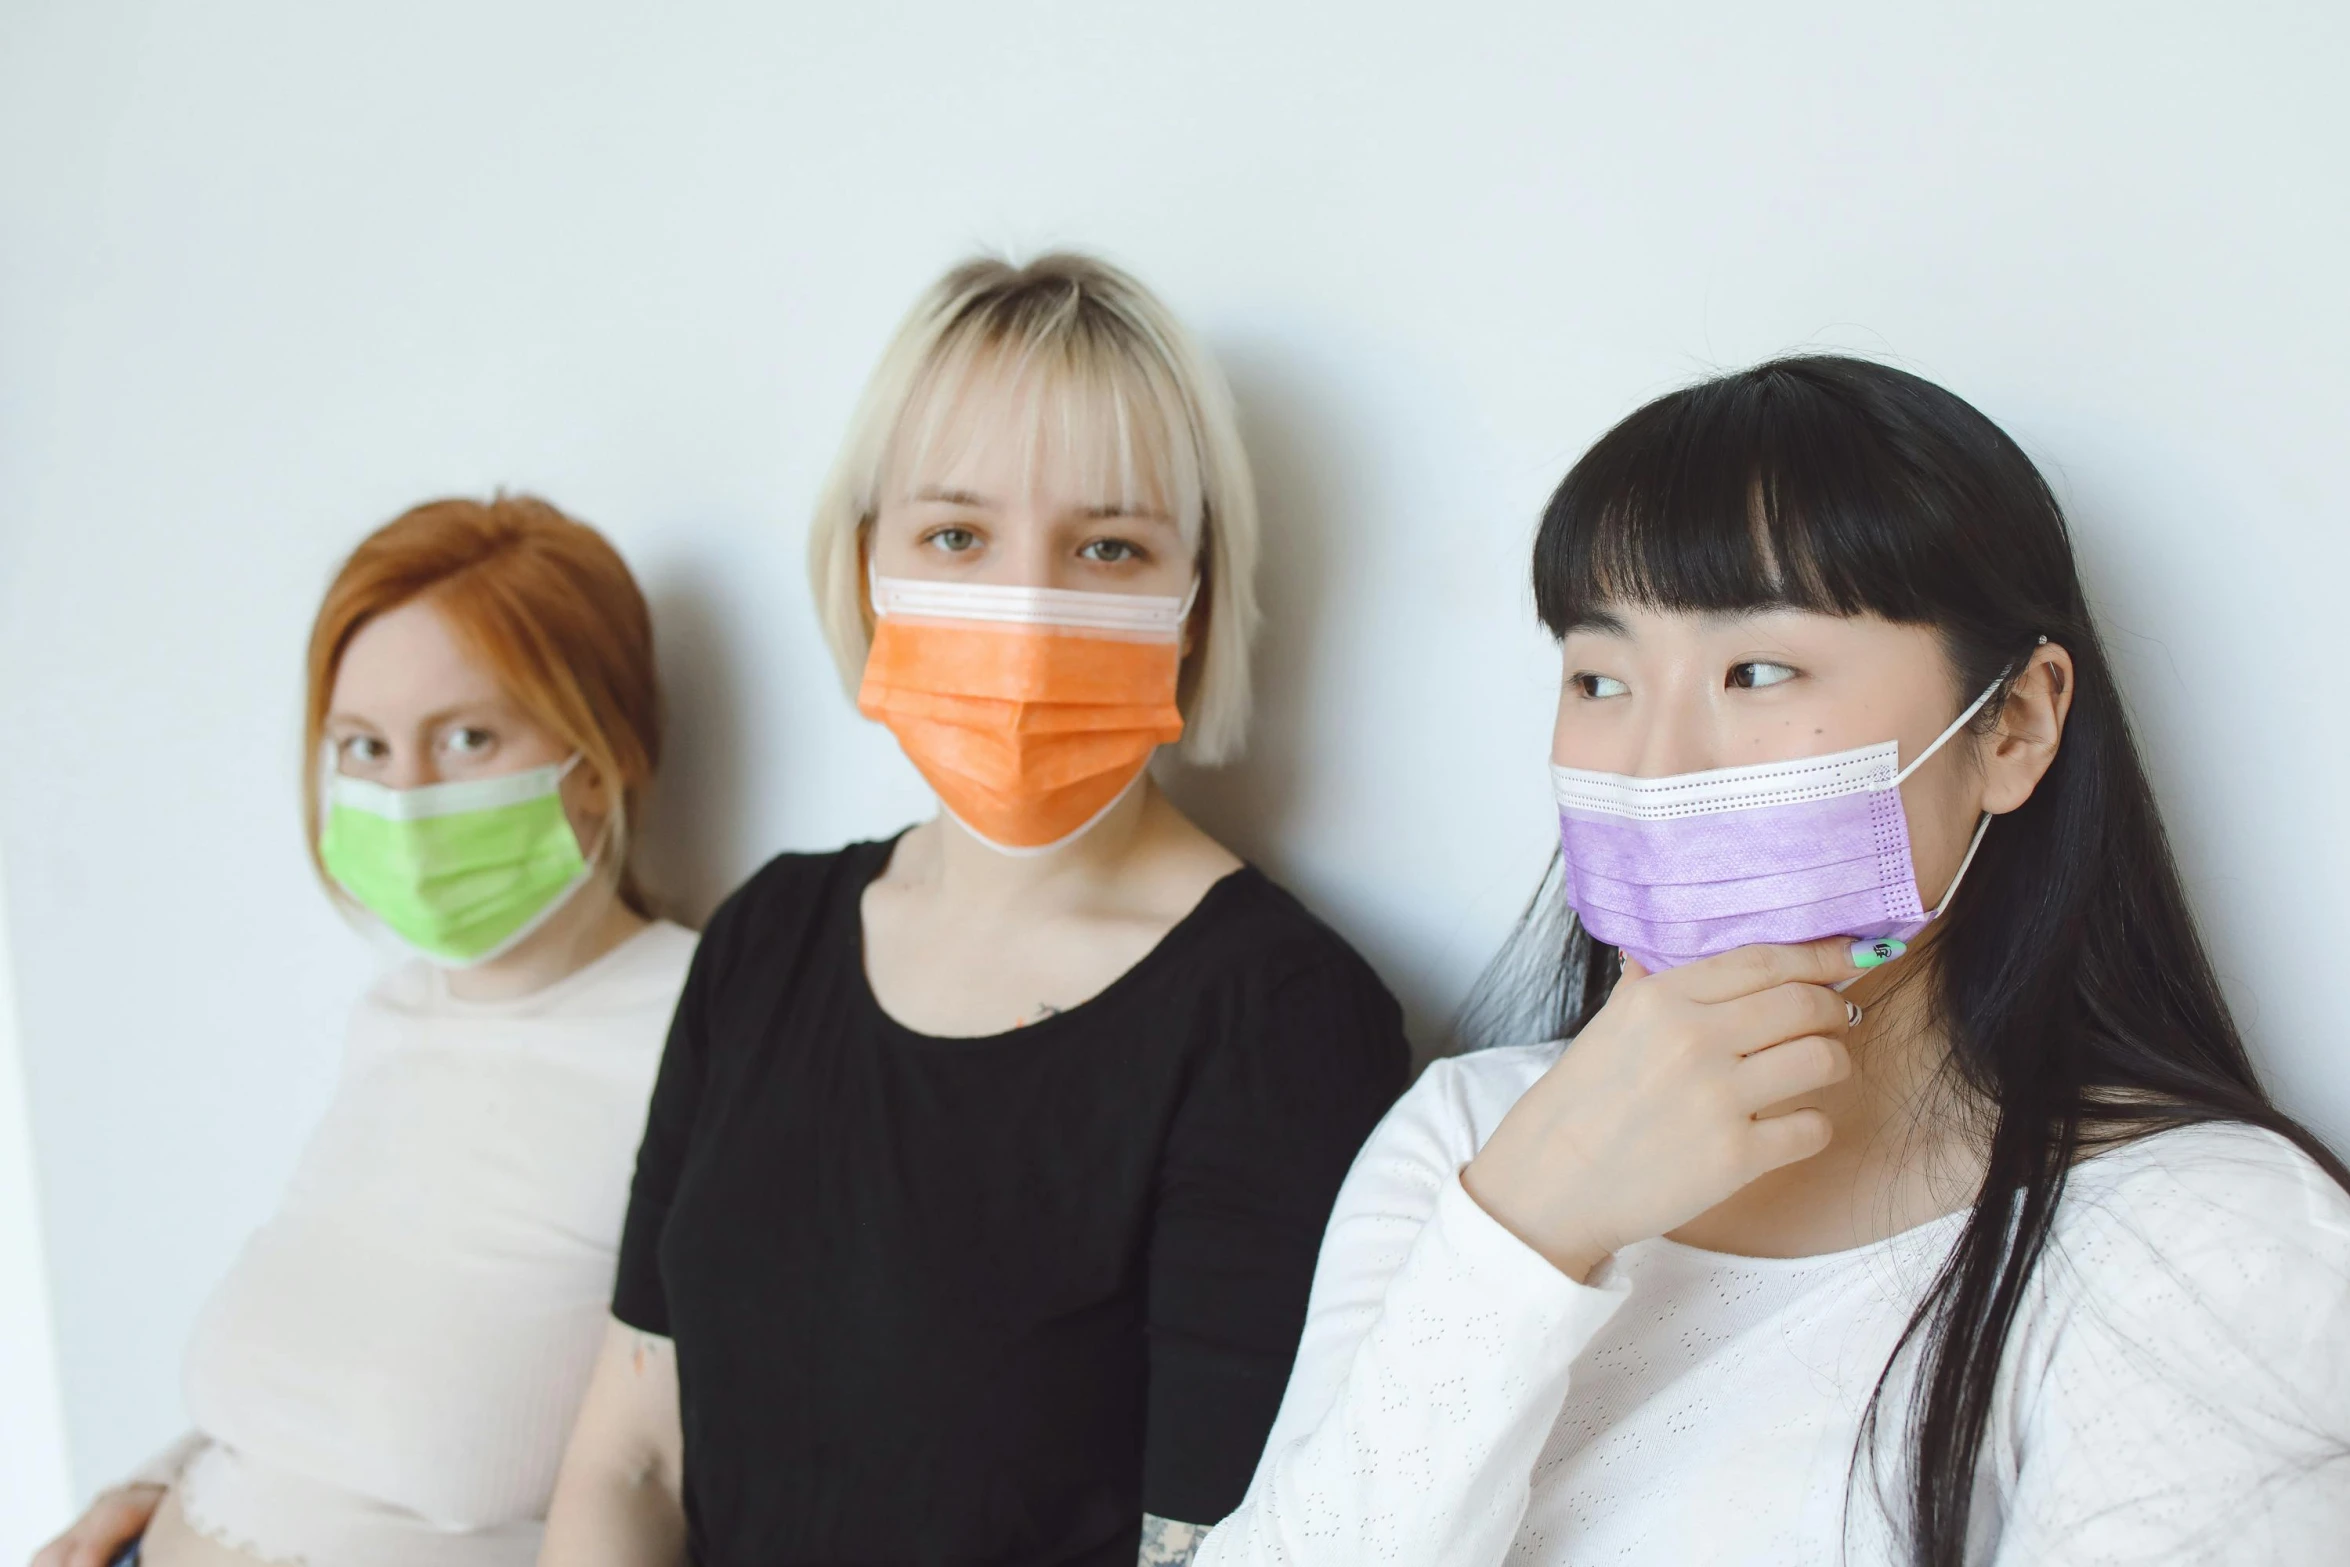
(459, 871)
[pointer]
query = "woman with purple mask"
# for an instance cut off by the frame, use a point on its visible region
(1903, 1191)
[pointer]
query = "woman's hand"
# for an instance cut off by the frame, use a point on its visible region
(1661, 1108)
(112, 1521)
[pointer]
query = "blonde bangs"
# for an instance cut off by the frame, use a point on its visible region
(1078, 407)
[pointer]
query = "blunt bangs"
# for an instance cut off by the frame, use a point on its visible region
(1795, 485)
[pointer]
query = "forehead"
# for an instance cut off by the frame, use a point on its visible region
(1650, 624)
(407, 658)
(991, 424)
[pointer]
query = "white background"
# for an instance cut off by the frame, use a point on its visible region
(271, 273)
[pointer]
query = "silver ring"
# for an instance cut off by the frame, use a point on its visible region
(1852, 1014)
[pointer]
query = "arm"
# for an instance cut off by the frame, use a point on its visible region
(114, 1518)
(1168, 1544)
(619, 1500)
(1435, 1359)
(120, 1514)
(620, 1496)
(1449, 1304)
(1296, 1065)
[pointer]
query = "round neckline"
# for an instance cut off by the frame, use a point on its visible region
(1671, 1247)
(1170, 942)
(452, 1005)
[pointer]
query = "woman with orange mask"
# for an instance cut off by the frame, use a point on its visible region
(385, 1375)
(982, 1185)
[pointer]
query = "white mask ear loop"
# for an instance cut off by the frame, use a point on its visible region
(1973, 844)
(1956, 724)
(1981, 827)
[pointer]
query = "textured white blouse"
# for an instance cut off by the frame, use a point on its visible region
(2177, 1390)
(389, 1372)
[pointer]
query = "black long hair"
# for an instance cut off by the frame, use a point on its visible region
(2080, 1006)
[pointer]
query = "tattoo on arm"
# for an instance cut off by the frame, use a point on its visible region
(642, 1345)
(1166, 1543)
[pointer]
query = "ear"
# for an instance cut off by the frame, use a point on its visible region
(1195, 624)
(585, 794)
(2031, 728)
(865, 574)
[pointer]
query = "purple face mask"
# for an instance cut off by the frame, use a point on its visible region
(1676, 869)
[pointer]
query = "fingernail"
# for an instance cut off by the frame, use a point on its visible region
(1884, 949)
(1852, 1014)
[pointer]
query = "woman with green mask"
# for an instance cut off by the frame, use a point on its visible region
(387, 1373)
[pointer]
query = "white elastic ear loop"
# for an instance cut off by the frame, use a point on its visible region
(1973, 844)
(1956, 724)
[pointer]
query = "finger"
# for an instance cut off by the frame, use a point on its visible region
(1745, 970)
(1789, 1071)
(1781, 1140)
(1783, 1012)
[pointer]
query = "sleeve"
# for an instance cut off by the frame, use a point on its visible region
(1304, 1064)
(638, 1297)
(1434, 1362)
(2187, 1396)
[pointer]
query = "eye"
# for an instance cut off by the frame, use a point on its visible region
(360, 750)
(1599, 687)
(952, 539)
(1754, 674)
(468, 740)
(1111, 552)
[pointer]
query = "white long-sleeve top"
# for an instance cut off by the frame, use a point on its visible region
(388, 1374)
(2177, 1389)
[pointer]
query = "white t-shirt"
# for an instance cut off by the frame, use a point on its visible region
(2177, 1388)
(389, 1372)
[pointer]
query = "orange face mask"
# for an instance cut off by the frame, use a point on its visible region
(1030, 711)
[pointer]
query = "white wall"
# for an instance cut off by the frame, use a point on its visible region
(270, 272)
(33, 1490)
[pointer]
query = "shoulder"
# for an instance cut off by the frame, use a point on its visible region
(787, 901)
(2219, 1241)
(651, 965)
(1250, 930)
(2209, 1181)
(1277, 987)
(1447, 1115)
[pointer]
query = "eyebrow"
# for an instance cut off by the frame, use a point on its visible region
(952, 497)
(1114, 512)
(1108, 511)
(481, 708)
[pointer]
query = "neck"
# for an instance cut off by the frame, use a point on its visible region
(591, 924)
(1902, 1153)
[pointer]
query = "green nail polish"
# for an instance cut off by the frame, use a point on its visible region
(1868, 954)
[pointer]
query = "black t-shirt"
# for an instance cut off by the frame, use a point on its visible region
(990, 1300)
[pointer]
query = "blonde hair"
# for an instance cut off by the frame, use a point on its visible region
(1113, 380)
